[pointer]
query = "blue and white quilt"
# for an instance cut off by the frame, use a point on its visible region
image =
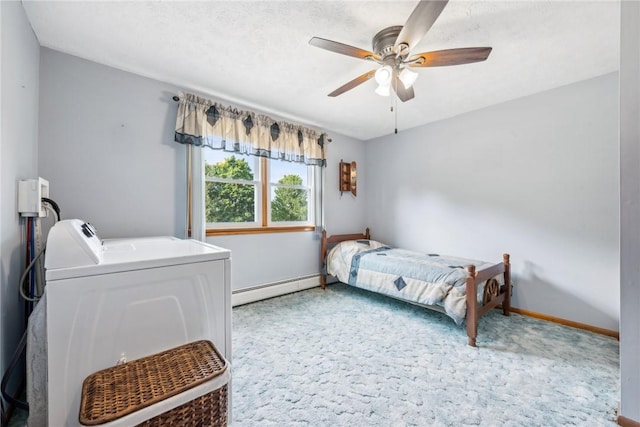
(429, 279)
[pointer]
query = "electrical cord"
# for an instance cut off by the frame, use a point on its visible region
(5, 378)
(23, 293)
(50, 205)
(39, 267)
(54, 205)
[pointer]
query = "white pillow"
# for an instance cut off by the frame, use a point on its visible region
(339, 258)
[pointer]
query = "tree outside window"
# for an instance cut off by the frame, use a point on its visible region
(289, 204)
(234, 191)
(226, 201)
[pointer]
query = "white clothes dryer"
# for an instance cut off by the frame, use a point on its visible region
(115, 300)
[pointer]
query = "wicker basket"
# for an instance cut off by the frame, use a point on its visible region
(115, 392)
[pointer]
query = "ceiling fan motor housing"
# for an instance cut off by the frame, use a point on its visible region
(384, 41)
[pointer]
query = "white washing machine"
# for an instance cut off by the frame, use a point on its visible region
(116, 300)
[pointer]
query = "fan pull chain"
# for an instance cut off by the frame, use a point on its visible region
(396, 115)
(394, 101)
(391, 103)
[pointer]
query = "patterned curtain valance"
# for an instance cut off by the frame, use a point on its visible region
(206, 123)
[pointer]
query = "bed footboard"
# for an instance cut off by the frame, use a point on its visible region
(494, 294)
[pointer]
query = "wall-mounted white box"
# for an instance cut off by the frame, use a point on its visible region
(30, 194)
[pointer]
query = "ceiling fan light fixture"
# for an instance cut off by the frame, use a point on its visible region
(407, 77)
(383, 75)
(383, 90)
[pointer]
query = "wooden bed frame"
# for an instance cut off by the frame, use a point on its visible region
(494, 294)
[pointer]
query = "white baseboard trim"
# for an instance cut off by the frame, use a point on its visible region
(270, 290)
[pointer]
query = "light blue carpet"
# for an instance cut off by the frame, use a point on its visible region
(346, 357)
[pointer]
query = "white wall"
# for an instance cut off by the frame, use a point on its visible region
(106, 146)
(18, 160)
(536, 177)
(630, 211)
(345, 213)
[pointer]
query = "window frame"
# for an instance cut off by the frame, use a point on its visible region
(263, 223)
(258, 189)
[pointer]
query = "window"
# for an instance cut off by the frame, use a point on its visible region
(247, 172)
(290, 192)
(254, 194)
(232, 189)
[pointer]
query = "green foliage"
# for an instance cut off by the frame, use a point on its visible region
(289, 204)
(235, 202)
(230, 168)
(229, 202)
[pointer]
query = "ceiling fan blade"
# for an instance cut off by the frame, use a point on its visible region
(342, 48)
(353, 83)
(403, 93)
(441, 58)
(421, 19)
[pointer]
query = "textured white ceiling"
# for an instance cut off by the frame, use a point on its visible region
(256, 53)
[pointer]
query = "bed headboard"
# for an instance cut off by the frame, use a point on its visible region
(337, 238)
(332, 240)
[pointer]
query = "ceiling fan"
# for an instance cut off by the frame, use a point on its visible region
(392, 49)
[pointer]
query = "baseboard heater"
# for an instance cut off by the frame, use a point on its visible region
(270, 290)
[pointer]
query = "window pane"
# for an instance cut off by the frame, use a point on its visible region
(228, 165)
(227, 202)
(288, 172)
(289, 204)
